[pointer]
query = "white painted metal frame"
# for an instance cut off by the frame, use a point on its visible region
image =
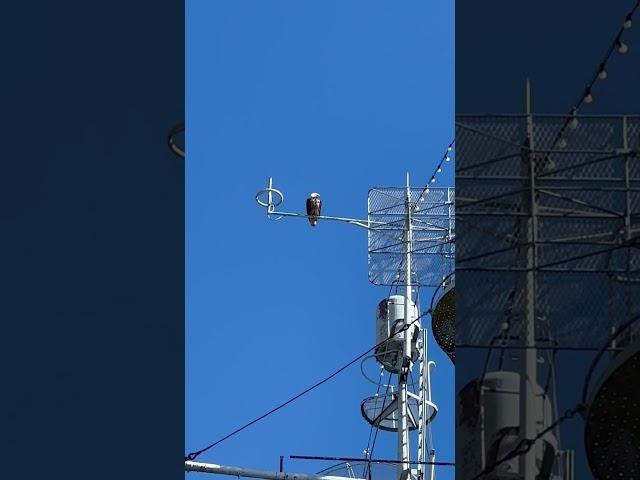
(270, 198)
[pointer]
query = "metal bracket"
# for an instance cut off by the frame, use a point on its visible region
(271, 198)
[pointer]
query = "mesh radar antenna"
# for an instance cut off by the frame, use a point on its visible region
(411, 243)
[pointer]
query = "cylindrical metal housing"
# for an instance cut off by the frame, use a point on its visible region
(492, 418)
(389, 324)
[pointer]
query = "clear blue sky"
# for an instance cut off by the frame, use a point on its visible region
(334, 97)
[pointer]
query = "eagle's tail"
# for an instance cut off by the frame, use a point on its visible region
(313, 221)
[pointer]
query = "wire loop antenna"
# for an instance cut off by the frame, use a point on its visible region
(271, 203)
(174, 133)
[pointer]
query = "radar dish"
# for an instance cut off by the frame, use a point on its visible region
(433, 235)
(612, 433)
(382, 411)
(443, 319)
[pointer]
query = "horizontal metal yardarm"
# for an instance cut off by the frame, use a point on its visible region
(372, 460)
(353, 221)
(499, 346)
(191, 466)
(523, 178)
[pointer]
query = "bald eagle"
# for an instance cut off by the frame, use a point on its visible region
(313, 208)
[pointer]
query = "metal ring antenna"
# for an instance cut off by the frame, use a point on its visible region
(171, 139)
(274, 197)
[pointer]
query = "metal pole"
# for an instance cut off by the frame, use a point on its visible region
(432, 472)
(425, 402)
(569, 466)
(528, 367)
(430, 363)
(270, 208)
(249, 473)
(627, 184)
(422, 409)
(403, 430)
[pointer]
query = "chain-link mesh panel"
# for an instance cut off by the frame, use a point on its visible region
(567, 209)
(433, 235)
(571, 309)
(633, 144)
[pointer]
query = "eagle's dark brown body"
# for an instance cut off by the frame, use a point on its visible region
(314, 205)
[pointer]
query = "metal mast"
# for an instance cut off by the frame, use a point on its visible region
(403, 429)
(528, 373)
(411, 243)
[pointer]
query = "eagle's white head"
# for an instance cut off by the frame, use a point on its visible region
(315, 195)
